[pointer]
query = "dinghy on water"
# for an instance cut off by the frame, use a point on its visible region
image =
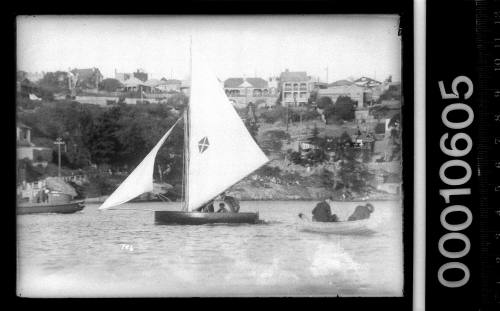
(219, 151)
(353, 227)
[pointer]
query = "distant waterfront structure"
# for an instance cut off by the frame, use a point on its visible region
(26, 149)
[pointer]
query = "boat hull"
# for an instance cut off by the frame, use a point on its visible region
(355, 227)
(60, 208)
(197, 218)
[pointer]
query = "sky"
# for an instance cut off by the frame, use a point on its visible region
(329, 47)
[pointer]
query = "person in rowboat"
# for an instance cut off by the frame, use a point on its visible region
(362, 212)
(323, 213)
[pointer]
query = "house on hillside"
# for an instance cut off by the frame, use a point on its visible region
(26, 149)
(246, 87)
(133, 85)
(88, 78)
(151, 86)
(273, 85)
(170, 85)
(295, 87)
(344, 88)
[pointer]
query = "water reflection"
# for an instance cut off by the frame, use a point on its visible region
(122, 253)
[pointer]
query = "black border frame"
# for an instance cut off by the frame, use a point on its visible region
(402, 8)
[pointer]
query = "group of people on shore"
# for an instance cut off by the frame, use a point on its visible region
(323, 213)
(228, 205)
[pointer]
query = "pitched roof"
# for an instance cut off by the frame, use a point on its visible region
(293, 76)
(22, 125)
(257, 82)
(253, 82)
(233, 82)
(171, 81)
(367, 81)
(133, 81)
(153, 82)
(340, 83)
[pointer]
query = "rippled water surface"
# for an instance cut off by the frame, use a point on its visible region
(113, 253)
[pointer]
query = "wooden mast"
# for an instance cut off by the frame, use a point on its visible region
(186, 131)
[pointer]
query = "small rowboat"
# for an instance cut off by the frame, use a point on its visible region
(355, 227)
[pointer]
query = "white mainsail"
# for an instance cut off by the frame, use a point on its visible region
(140, 180)
(221, 150)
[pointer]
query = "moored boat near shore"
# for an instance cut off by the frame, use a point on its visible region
(61, 208)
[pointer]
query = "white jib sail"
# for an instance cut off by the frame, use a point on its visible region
(139, 181)
(221, 150)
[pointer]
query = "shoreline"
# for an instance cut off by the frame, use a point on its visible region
(99, 200)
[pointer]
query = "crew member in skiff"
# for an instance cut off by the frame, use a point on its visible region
(323, 213)
(362, 212)
(222, 208)
(231, 202)
(207, 208)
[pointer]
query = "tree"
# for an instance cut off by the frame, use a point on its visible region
(392, 93)
(352, 174)
(179, 100)
(252, 127)
(324, 102)
(395, 120)
(325, 105)
(314, 139)
(327, 179)
(379, 112)
(103, 145)
(110, 85)
(55, 82)
(344, 108)
(313, 97)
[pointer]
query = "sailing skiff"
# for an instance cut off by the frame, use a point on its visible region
(218, 152)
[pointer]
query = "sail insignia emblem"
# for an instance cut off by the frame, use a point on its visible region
(203, 144)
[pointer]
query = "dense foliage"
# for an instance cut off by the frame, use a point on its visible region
(119, 136)
(110, 85)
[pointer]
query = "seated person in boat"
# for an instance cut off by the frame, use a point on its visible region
(362, 212)
(323, 213)
(207, 208)
(222, 208)
(231, 202)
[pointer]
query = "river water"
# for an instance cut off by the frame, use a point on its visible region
(122, 253)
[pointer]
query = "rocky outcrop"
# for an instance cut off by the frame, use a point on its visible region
(59, 185)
